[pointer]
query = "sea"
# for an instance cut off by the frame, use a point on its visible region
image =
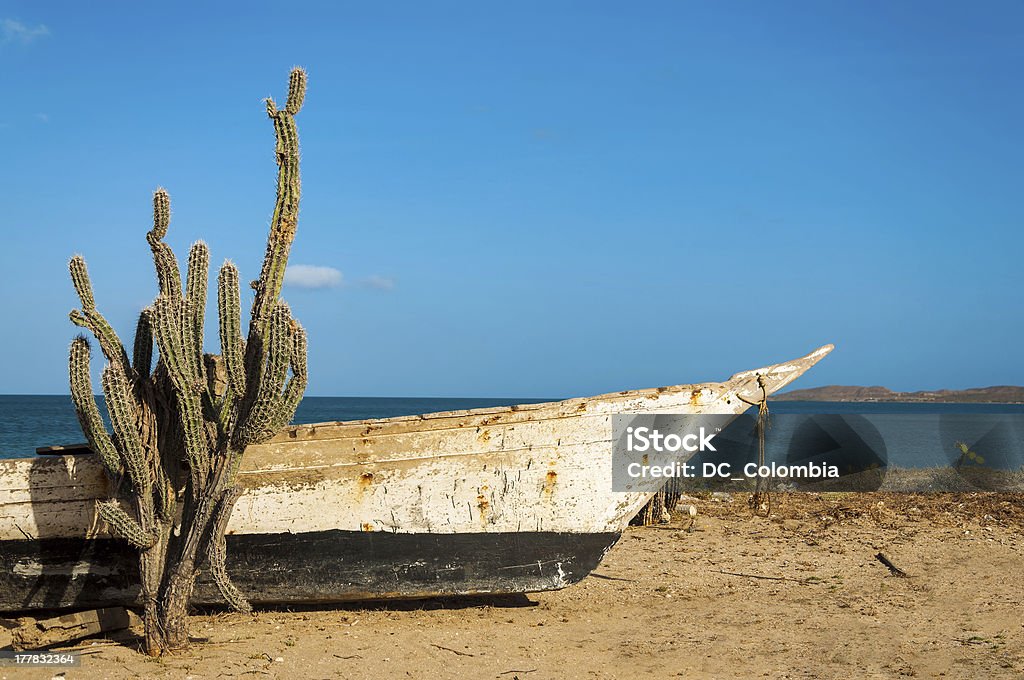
(31, 421)
(912, 434)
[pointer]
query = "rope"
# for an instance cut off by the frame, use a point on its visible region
(760, 502)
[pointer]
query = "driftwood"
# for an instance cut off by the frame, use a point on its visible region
(896, 571)
(801, 581)
(30, 633)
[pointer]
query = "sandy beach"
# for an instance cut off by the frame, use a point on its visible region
(796, 595)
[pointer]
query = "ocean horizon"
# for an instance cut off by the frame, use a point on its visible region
(28, 422)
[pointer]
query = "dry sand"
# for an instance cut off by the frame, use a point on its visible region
(664, 604)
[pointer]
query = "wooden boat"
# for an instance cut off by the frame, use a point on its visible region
(498, 500)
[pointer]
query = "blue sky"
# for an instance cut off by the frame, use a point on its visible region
(536, 198)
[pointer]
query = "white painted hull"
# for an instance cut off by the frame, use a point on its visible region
(535, 468)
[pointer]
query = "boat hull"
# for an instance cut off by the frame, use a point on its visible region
(311, 568)
(501, 500)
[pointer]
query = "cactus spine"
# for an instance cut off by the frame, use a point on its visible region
(193, 410)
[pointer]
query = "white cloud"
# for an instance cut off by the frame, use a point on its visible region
(43, 117)
(13, 31)
(378, 282)
(312, 276)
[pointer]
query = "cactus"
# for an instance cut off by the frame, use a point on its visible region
(192, 411)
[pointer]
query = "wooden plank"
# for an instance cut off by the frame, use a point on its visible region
(30, 633)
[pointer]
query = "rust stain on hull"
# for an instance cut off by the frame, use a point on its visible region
(550, 479)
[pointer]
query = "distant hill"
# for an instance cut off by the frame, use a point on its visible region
(1000, 394)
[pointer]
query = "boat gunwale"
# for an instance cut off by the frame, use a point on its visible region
(294, 433)
(560, 409)
(787, 368)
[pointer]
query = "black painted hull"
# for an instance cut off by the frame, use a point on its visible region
(319, 567)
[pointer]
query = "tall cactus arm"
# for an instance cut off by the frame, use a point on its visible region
(80, 280)
(169, 325)
(161, 213)
(122, 409)
(167, 273)
(89, 317)
(193, 343)
(197, 451)
(195, 287)
(229, 315)
(268, 395)
(174, 336)
(286, 209)
(87, 411)
(142, 356)
(296, 91)
(296, 384)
